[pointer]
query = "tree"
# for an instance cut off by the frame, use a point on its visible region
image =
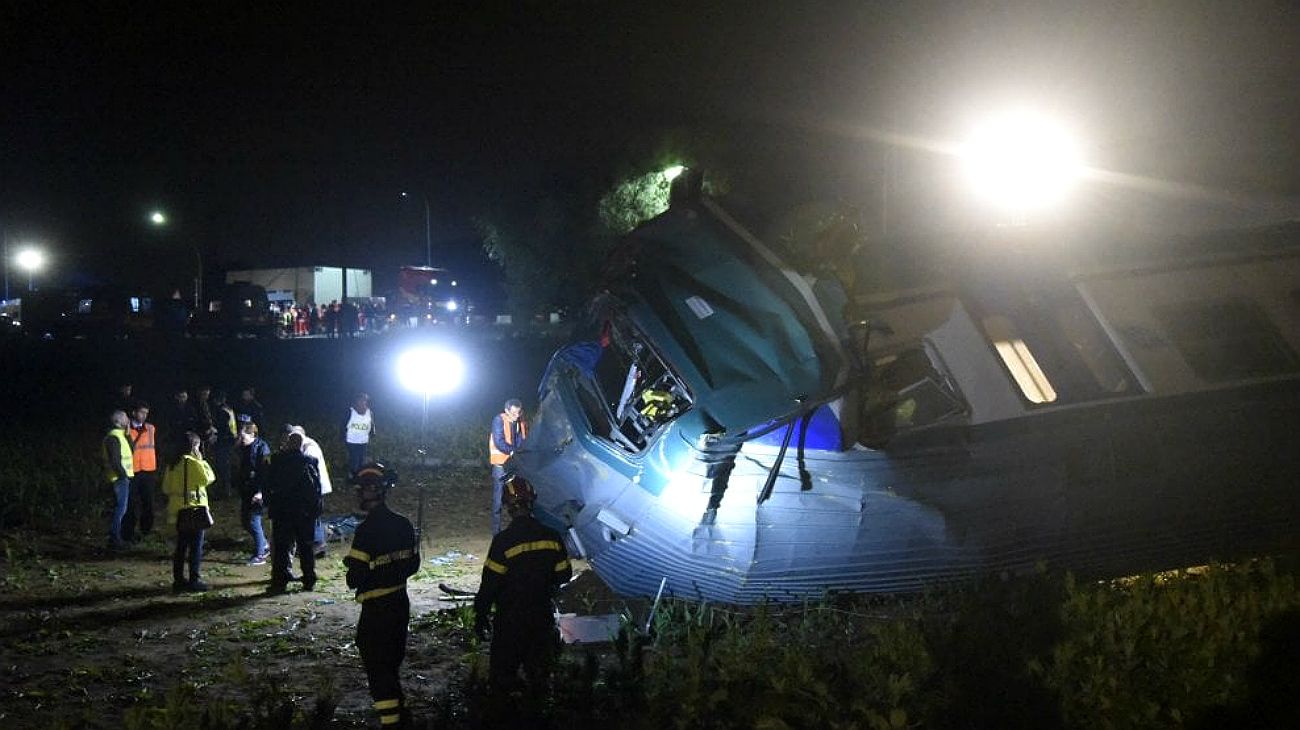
(552, 246)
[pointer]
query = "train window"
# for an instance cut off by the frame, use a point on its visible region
(1052, 346)
(1227, 340)
(1085, 336)
(633, 393)
(909, 390)
(1020, 362)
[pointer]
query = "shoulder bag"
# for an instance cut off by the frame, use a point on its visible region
(192, 519)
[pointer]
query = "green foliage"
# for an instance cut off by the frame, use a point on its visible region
(633, 201)
(1160, 650)
(1211, 649)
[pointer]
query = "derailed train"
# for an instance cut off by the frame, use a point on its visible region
(748, 432)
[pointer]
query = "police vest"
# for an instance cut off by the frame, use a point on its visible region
(144, 453)
(358, 430)
(496, 456)
(110, 473)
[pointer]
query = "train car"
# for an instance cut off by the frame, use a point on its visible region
(749, 432)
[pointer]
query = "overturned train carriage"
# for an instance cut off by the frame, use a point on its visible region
(730, 428)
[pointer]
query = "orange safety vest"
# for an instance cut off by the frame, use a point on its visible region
(498, 457)
(144, 454)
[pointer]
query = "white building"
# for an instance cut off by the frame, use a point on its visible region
(303, 284)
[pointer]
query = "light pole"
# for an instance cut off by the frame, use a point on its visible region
(428, 235)
(158, 219)
(30, 260)
(4, 236)
(428, 371)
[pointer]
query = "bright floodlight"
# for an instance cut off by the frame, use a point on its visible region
(30, 259)
(1022, 161)
(157, 218)
(671, 173)
(430, 371)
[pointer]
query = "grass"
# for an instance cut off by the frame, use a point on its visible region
(1180, 650)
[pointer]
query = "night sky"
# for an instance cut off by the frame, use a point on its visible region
(276, 137)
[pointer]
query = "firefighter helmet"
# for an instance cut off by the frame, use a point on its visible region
(519, 494)
(375, 474)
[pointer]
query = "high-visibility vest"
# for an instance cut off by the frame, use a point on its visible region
(109, 472)
(144, 452)
(496, 456)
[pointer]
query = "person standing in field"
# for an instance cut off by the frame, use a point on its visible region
(247, 408)
(178, 418)
(294, 502)
(250, 485)
(119, 467)
(526, 562)
(385, 552)
(186, 485)
(223, 443)
(508, 431)
(144, 482)
(311, 448)
(357, 431)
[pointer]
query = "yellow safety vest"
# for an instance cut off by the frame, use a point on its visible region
(125, 454)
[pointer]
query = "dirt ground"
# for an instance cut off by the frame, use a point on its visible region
(85, 634)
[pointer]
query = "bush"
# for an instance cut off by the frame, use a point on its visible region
(1163, 650)
(1213, 648)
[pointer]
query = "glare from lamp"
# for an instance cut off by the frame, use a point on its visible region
(452, 305)
(672, 173)
(157, 218)
(430, 371)
(1022, 161)
(30, 259)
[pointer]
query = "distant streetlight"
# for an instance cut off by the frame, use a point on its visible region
(30, 260)
(159, 219)
(428, 235)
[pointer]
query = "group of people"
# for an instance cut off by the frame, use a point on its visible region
(205, 444)
(153, 439)
(526, 560)
(334, 319)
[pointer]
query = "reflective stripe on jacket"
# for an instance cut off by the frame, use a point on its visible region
(524, 564)
(384, 554)
(144, 452)
(509, 433)
(117, 437)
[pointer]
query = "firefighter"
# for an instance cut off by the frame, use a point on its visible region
(525, 564)
(508, 431)
(385, 552)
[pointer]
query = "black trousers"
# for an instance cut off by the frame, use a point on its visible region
(287, 531)
(381, 639)
(189, 550)
(527, 642)
(139, 504)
